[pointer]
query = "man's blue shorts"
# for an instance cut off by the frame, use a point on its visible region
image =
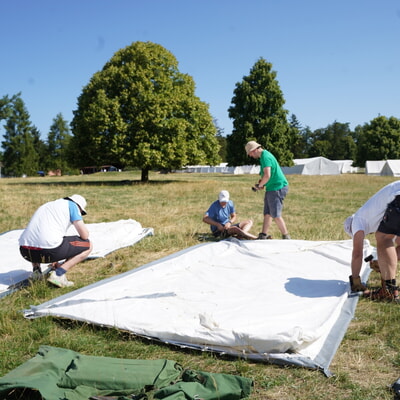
(273, 202)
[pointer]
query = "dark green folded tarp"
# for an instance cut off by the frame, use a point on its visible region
(61, 374)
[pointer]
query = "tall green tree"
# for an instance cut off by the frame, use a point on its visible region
(296, 139)
(20, 156)
(141, 111)
(5, 105)
(335, 142)
(221, 141)
(378, 140)
(258, 114)
(41, 149)
(58, 140)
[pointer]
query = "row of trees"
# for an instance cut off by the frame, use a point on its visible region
(25, 153)
(140, 111)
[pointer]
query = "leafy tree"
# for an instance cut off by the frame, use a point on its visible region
(335, 142)
(20, 156)
(296, 140)
(378, 140)
(40, 148)
(221, 141)
(5, 104)
(57, 143)
(140, 111)
(306, 142)
(258, 114)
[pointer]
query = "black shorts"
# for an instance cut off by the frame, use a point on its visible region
(70, 247)
(390, 223)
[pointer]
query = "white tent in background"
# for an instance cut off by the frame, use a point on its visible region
(346, 166)
(374, 167)
(312, 166)
(243, 169)
(222, 169)
(391, 168)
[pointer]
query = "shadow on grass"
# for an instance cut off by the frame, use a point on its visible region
(125, 182)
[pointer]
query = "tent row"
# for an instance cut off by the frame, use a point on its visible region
(307, 166)
(304, 166)
(383, 167)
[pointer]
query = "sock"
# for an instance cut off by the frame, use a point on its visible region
(60, 271)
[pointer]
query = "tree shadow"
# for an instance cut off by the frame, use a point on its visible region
(124, 182)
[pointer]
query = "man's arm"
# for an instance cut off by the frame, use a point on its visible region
(210, 221)
(357, 253)
(264, 180)
(81, 229)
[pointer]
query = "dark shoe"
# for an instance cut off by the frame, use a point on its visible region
(356, 284)
(263, 236)
(385, 294)
(287, 236)
(37, 272)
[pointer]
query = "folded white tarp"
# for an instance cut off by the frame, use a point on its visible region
(106, 237)
(281, 301)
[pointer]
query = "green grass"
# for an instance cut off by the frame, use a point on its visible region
(368, 359)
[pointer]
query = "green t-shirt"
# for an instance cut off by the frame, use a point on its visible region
(277, 180)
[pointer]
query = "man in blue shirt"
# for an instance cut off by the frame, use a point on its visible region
(221, 217)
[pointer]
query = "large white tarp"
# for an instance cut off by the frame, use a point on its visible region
(283, 301)
(105, 236)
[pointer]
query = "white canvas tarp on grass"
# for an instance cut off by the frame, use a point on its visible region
(280, 301)
(105, 236)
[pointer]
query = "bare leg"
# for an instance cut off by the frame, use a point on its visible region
(266, 223)
(281, 225)
(387, 255)
(246, 225)
(77, 259)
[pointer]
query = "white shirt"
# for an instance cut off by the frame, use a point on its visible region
(368, 217)
(49, 224)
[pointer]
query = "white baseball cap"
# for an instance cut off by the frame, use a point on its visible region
(80, 200)
(223, 196)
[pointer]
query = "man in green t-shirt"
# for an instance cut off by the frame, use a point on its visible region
(276, 188)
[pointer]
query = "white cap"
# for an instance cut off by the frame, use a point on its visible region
(223, 196)
(347, 225)
(80, 200)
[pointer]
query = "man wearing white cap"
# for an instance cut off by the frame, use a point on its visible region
(44, 240)
(276, 188)
(379, 215)
(221, 217)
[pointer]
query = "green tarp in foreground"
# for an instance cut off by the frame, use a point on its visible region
(60, 374)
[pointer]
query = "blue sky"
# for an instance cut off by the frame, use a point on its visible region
(335, 60)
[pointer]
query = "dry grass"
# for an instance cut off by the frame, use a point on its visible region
(367, 361)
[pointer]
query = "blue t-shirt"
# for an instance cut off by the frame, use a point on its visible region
(219, 213)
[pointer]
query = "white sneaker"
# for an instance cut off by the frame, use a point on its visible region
(60, 281)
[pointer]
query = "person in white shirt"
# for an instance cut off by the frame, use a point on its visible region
(378, 215)
(44, 240)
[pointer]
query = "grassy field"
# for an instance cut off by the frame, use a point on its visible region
(366, 363)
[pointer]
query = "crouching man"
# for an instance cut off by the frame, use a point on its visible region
(44, 240)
